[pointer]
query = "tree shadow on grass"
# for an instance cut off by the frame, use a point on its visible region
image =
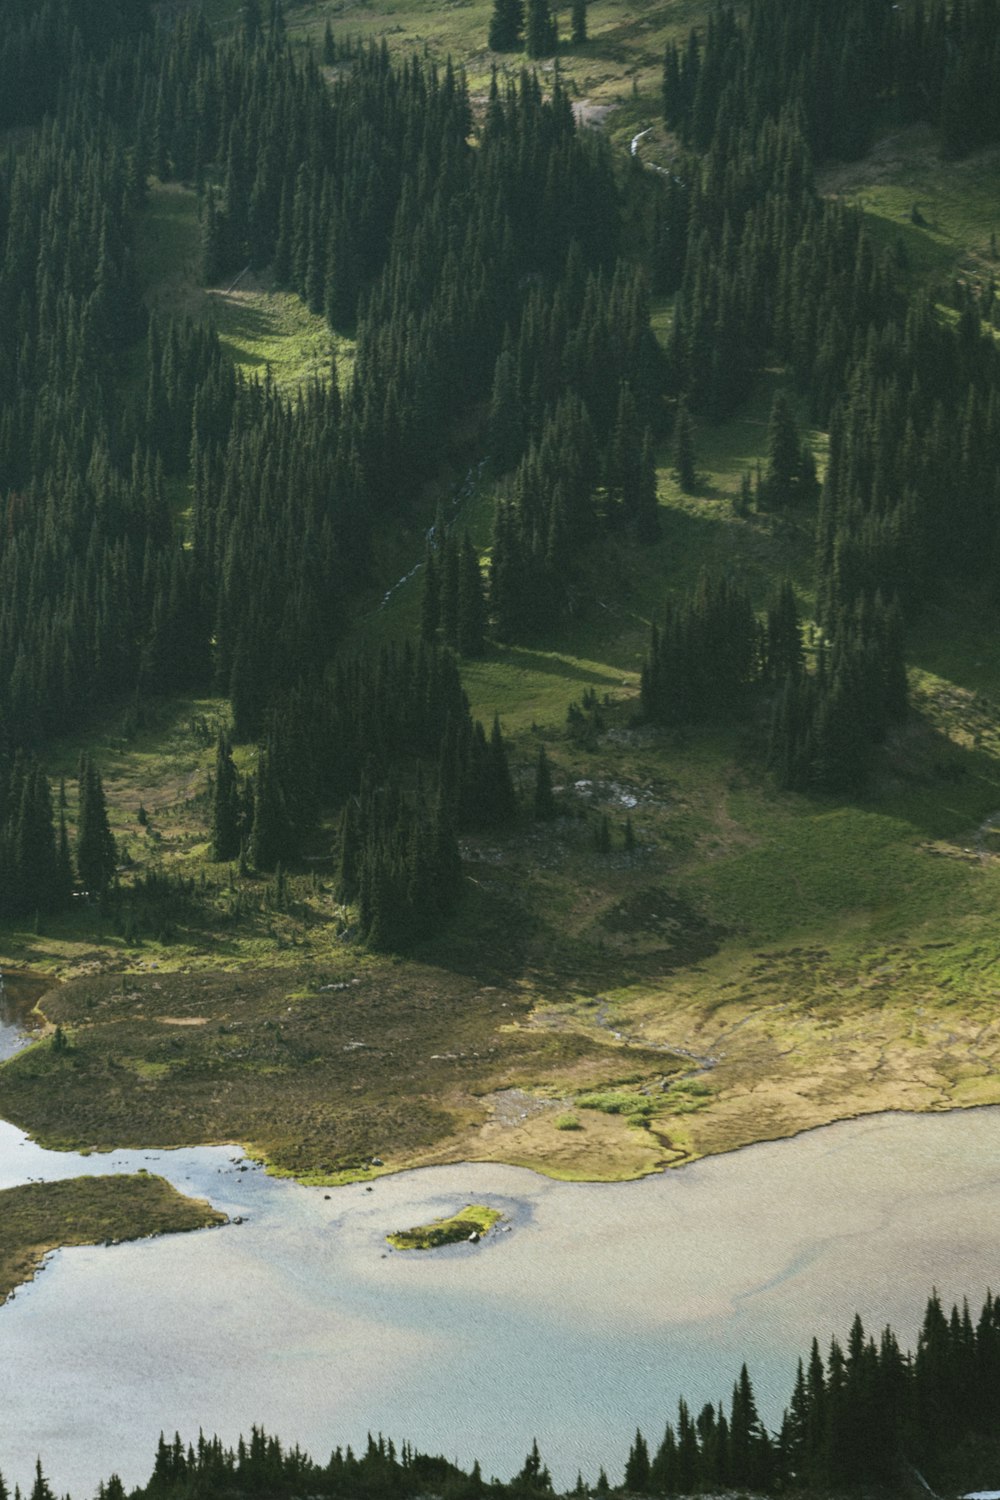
(547, 659)
(239, 324)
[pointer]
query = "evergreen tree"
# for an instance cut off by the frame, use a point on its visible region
(637, 1468)
(64, 867)
(450, 590)
(506, 420)
(226, 823)
(790, 476)
(499, 804)
(269, 832)
(96, 854)
(540, 34)
(430, 602)
(684, 456)
(471, 632)
(506, 24)
(646, 506)
(544, 799)
(579, 22)
(350, 855)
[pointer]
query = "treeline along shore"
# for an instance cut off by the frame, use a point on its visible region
(864, 1417)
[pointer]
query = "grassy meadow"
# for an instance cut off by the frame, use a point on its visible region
(760, 962)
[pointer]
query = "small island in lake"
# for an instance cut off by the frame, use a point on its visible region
(470, 1223)
(41, 1216)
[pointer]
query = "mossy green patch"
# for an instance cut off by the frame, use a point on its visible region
(637, 1107)
(470, 1223)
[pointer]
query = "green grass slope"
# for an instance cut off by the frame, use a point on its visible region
(758, 963)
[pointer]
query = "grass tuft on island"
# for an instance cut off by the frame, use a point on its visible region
(473, 1220)
(42, 1216)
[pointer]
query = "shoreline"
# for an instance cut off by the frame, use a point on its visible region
(516, 1127)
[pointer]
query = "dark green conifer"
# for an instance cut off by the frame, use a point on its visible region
(430, 601)
(350, 855)
(684, 455)
(637, 1466)
(579, 22)
(506, 421)
(269, 832)
(506, 23)
(501, 803)
(544, 800)
(471, 602)
(95, 847)
(540, 33)
(449, 590)
(226, 826)
(790, 475)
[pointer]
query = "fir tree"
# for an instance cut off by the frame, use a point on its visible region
(471, 632)
(684, 456)
(544, 800)
(579, 22)
(226, 825)
(95, 847)
(637, 1469)
(348, 881)
(430, 602)
(540, 35)
(790, 476)
(506, 24)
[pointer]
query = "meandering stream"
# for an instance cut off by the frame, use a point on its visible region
(591, 1315)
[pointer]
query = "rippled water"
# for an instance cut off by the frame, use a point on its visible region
(599, 1307)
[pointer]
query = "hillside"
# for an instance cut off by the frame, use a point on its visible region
(746, 962)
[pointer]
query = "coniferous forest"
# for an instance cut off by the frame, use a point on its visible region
(480, 259)
(529, 305)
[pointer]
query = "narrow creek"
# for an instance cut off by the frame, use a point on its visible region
(599, 1307)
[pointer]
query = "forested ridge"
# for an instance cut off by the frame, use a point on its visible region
(494, 269)
(496, 272)
(370, 202)
(866, 1417)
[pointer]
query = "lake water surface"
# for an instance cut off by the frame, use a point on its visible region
(599, 1307)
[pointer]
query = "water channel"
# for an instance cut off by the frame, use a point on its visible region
(589, 1316)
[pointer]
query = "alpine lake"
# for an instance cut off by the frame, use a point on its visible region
(584, 1313)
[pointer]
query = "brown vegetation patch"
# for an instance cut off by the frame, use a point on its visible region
(653, 910)
(319, 1077)
(42, 1216)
